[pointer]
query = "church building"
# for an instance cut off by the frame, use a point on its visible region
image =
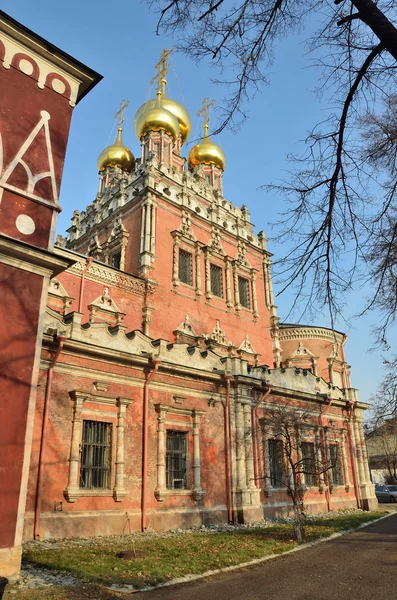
(163, 358)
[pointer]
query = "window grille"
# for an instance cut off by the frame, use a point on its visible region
(244, 291)
(309, 463)
(116, 260)
(276, 460)
(216, 281)
(95, 455)
(185, 267)
(336, 476)
(176, 460)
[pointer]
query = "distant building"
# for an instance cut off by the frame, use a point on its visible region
(162, 354)
(382, 452)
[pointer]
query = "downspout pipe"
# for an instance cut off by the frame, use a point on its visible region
(149, 377)
(254, 433)
(322, 434)
(44, 430)
(350, 408)
(81, 293)
(226, 407)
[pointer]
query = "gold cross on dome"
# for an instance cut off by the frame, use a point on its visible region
(162, 67)
(204, 112)
(120, 113)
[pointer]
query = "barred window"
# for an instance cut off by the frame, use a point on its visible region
(336, 475)
(309, 463)
(95, 455)
(176, 460)
(244, 291)
(185, 267)
(116, 260)
(216, 281)
(276, 461)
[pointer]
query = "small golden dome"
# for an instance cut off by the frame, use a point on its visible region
(117, 155)
(206, 152)
(173, 107)
(155, 118)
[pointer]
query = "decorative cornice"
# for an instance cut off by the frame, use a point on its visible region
(38, 59)
(301, 333)
(107, 276)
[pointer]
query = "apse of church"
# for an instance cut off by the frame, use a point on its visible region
(169, 353)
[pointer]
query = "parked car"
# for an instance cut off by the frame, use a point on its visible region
(386, 493)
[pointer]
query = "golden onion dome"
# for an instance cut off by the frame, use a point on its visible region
(173, 107)
(117, 155)
(156, 118)
(206, 152)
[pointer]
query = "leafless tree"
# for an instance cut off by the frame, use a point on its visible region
(341, 206)
(286, 425)
(384, 400)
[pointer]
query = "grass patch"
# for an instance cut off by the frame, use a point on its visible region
(173, 556)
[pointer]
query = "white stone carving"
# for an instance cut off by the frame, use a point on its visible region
(25, 224)
(186, 327)
(18, 159)
(246, 346)
(218, 335)
(44, 71)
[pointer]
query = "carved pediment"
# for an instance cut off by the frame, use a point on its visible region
(185, 329)
(218, 335)
(58, 298)
(246, 346)
(104, 309)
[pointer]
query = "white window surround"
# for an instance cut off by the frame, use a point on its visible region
(73, 490)
(161, 491)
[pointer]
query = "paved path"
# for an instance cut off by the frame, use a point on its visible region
(357, 566)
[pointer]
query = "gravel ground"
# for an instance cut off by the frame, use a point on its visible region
(32, 576)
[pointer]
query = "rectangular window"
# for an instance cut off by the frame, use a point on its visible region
(335, 472)
(216, 281)
(244, 291)
(185, 267)
(95, 455)
(309, 463)
(176, 460)
(116, 260)
(276, 461)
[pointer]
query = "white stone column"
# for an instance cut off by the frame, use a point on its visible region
(320, 459)
(160, 491)
(119, 491)
(249, 457)
(364, 452)
(344, 459)
(199, 291)
(357, 443)
(236, 290)
(198, 492)
(143, 222)
(240, 447)
(207, 277)
(175, 263)
(153, 228)
(229, 297)
(72, 491)
(254, 295)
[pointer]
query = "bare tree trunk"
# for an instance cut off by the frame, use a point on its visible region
(381, 26)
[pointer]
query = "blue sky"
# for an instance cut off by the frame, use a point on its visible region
(119, 41)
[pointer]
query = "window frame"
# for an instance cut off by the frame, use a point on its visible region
(173, 456)
(241, 278)
(181, 252)
(88, 470)
(214, 267)
(311, 479)
(276, 470)
(335, 471)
